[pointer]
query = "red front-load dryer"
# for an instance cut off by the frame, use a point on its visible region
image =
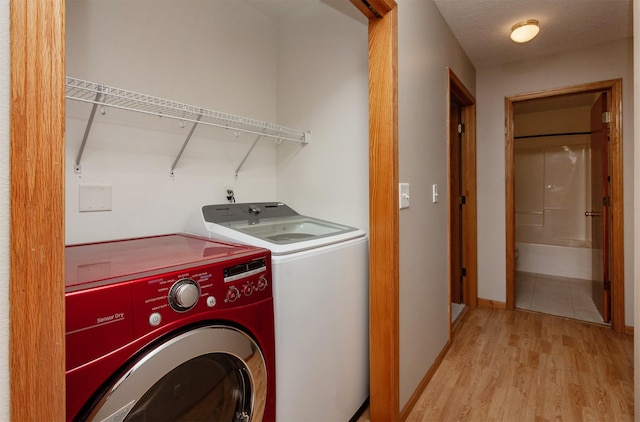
(171, 327)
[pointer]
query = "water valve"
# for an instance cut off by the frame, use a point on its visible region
(230, 196)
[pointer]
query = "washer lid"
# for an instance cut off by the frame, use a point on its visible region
(289, 229)
(271, 225)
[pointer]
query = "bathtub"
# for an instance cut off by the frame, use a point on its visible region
(563, 261)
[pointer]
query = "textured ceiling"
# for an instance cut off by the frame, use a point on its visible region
(482, 26)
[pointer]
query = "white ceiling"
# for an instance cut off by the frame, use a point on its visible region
(483, 26)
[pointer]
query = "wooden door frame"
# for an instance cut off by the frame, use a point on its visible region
(459, 93)
(36, 285)
(614, 89)
(384, 257)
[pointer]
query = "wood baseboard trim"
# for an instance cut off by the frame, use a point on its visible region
(493, 304)
(404, 414)
(628, 330)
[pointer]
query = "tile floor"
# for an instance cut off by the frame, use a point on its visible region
(567, 297)
(456, 310)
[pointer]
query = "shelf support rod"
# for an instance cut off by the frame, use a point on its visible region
(184, 144)
(247, 154)
(76, 167)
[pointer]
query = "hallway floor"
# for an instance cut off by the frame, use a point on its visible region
(526, 366)
(567, 297)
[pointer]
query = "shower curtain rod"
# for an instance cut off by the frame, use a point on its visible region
(552, 134)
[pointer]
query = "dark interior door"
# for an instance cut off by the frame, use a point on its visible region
(455, 203)
(599, 213)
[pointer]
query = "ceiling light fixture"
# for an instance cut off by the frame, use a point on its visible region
(525, 31)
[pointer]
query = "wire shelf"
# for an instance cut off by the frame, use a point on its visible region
(104, 95)
(108, 96)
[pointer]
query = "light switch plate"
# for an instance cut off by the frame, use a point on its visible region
(404, 195)
(94, 198)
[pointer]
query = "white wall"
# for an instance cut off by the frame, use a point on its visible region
(224, 56)
(426, 48)
(607, 61)
(4, 211)
(216, 55)
(323, 86)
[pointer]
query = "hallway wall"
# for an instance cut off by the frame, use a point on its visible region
(603, 62)
(426, 48)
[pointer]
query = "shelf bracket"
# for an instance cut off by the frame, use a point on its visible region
(305, 140)
(253, 145)
(184, 144)
(76, 167)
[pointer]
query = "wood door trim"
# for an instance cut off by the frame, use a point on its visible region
(36, 286)
(384, 257)
(614, 88)
(470, 211)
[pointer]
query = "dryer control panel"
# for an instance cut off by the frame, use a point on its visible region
(180, 295)
(108, 317)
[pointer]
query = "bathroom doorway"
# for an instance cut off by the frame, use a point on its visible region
(557, 244)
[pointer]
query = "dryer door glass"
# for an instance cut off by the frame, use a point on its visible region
(213, 387)
(212, 373)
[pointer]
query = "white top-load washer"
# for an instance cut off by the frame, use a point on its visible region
(320, 276)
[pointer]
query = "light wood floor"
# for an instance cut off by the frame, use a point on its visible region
(526, 366)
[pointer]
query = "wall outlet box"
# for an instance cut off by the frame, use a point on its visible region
(94, 198)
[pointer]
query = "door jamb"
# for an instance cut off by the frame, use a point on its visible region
(36, 274)
(614, 87)
(40, 280)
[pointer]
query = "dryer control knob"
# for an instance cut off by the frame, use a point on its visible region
(262, 283)
(247, 289)
(184, 294)
(232, 294)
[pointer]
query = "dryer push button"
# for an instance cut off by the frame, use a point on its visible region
(155, 319)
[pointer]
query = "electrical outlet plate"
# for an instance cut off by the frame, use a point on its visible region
(94, 198)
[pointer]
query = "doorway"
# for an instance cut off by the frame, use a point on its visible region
(37, 192)
(585, 238)
(462, 199)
